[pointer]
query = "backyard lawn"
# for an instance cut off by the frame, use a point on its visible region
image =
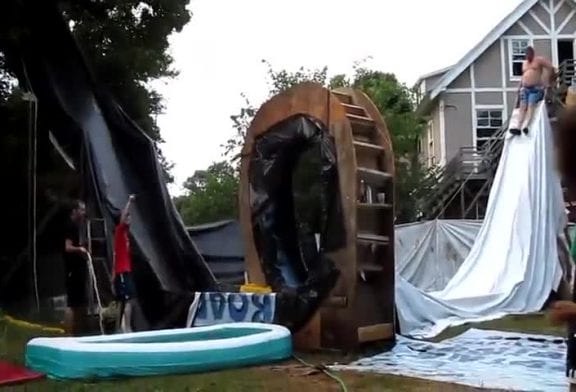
(286, 376)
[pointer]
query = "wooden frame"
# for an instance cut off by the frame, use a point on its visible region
(355, 312)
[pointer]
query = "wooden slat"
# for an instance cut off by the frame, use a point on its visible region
(361, 120)
(373, 177)
(375, 206)
(363, 147)
(370, 267)
(372, 333)
(344, 98)
(355, 110)
(373, 238)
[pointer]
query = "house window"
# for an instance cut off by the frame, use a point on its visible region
(488, 122)
(517, 55)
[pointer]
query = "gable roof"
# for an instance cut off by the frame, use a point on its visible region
(477, 51)
(433, 73)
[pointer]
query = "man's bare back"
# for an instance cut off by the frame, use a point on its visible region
(532, 71)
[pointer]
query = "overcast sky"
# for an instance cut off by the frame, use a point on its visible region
(219, 55)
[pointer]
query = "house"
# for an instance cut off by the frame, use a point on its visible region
(468, 102)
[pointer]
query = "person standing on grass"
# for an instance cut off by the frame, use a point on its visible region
(122, 281)
(76, 269)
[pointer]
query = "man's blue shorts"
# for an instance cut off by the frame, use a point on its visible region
(531, 95)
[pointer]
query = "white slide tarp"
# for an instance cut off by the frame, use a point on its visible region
(428, 254)
(513, 265)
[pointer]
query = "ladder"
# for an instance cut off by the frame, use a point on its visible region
(97, 236)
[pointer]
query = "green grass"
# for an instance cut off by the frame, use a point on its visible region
(286, 376)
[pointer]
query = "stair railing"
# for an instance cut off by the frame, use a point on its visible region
(490, 157)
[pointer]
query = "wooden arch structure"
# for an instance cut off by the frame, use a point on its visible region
(360, 307)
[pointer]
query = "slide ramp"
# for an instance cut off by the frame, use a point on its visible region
(513, 265)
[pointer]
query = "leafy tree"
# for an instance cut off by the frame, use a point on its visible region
(211, 195)
(278, 81)
(126, 46)
(393, 99)
(125, 43)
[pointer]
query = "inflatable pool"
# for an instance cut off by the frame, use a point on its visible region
(159, 352)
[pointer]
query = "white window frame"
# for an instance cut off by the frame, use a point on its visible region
(510, 55)
(430, 143)
(487, 108)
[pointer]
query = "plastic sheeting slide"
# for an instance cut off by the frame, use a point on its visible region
(119, 159)
(513, 265)
(159, 352)
(428, 254)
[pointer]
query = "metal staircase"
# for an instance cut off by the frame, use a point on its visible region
(464, 183)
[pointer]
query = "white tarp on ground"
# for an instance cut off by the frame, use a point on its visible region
(513, 265)
(493, 360)
(428, 254)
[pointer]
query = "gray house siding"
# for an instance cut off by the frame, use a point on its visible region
(436, 134)
(515, 30)
(431, 81)
(563, 12)
(543, 47)
(489, 98)
(458, 120)
(529, 21)
(487, 69)
(463, 81)
(570, 27)
(542, 13)
(487, 84)
(512, 98)
(436, 152)
(509, 81)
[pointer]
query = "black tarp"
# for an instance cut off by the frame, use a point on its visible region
(296, 213)
(120, 160)
(221, 246)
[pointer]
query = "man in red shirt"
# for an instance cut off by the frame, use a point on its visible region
(122, 272)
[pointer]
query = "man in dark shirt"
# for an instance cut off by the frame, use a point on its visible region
(76, 269)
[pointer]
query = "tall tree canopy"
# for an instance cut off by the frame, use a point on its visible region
(125, 43)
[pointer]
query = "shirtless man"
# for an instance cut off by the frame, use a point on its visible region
(531, 88)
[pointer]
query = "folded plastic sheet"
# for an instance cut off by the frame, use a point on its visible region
(120, 160)
(296, 213)
(513, 265)
(428, 254)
